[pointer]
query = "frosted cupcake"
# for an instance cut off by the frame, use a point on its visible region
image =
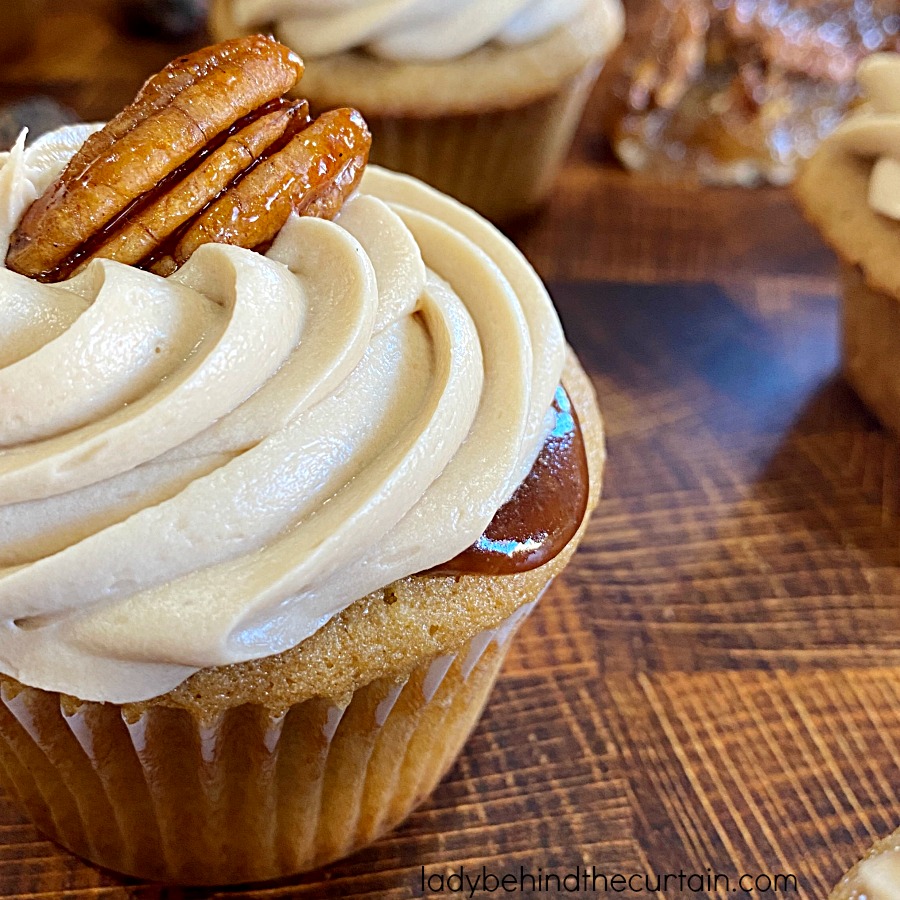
(850, 190)
(480, 99)
(877, 877)
(280, 511)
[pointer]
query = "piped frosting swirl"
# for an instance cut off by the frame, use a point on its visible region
(222, 460)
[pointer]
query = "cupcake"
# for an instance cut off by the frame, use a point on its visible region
(481, 100)
(877, 877)
(310, 447)
(850, 190)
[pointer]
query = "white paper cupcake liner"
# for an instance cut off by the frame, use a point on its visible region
(249, 794)
(871, 345)
(501, 163)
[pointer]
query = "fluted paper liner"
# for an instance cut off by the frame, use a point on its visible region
(502, 163)
(251, 794)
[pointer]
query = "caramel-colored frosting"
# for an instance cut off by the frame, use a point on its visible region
(205, 468)
(879, 878)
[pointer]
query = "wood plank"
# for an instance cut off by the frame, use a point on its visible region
(603, 223)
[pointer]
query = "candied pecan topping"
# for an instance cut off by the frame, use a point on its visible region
(209, 151)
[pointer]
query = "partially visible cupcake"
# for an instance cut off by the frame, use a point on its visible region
(480, 99)
(877, 877)
(850, 190)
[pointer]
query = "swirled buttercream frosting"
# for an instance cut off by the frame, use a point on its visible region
(874, 131)
(405, 29)
(204, 469)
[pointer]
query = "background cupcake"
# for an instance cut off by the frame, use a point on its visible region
(850, 190)
(479, 99)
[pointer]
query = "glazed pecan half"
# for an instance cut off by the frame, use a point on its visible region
(210, 151)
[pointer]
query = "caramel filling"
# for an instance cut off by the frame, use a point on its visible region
(545, 512)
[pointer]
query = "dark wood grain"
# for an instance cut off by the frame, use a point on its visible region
(716, 681)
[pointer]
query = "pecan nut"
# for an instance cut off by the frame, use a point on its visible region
(210, 151)
(312, 175)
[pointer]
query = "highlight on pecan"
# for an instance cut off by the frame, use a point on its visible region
(150, 223)
(210, 151)
(312, 174)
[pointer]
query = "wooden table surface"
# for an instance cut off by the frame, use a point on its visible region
(715, 683)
